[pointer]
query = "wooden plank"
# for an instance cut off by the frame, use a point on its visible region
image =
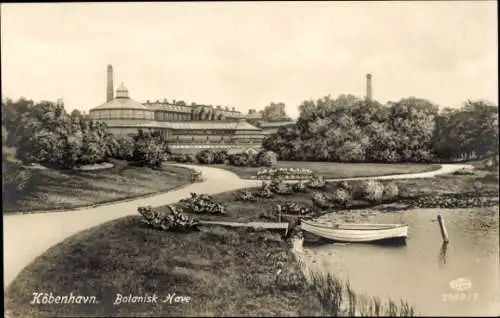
(265, 225)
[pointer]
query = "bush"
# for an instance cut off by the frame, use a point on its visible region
(149, 150)
(344, 185)
(183, 158)
(316, 182)
(464, 172)
(170, 220)
(293, 208)
(125, 149)
(341, 196)
(205, 156)
(369, 190)
(220, 156)
(252, 161)
(299, 187)
(264, 191)
(190, 158)
(320, 200)
(266, 158)
(203, 204)
(239, 159)
(244, 196)
(391, 190)
(279, 187)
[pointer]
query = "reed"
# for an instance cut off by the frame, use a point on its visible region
(339, 299)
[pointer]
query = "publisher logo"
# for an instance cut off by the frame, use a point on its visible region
(460, 284)
(461, 291)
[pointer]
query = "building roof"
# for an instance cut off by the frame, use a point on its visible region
(137, 123)
(253, 116)
(121, 103)
(170, 107)
(244, 125)
(182, 125)
(223, 125)
(275, 124)
(187, 109)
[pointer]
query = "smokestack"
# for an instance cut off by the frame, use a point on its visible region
(369, 86)
(109, 88)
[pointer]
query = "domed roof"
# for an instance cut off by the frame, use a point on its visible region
(122, 101)
(122, 91)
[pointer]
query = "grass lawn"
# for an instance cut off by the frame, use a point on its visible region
(333, 170)
(66, 189)
(224, 272)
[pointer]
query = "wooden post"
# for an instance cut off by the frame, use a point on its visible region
(444, 233)
(279, 213)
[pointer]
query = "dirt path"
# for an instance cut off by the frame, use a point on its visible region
(28, 236)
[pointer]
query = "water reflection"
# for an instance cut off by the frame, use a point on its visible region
(442, 253)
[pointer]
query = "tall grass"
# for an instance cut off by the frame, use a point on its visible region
(339, 299)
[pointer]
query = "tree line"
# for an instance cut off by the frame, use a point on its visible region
(45, 133)
(350, 129)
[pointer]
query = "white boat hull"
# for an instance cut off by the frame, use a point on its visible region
(347, 232)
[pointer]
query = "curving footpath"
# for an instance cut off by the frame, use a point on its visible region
(28, 236)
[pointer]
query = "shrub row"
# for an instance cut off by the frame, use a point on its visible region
(366, 190)
(263, 158)
(183, 158)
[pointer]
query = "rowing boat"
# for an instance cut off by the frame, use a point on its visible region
(351, 232)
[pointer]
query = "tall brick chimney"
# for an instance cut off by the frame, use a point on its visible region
(109, 86)
(369, 86)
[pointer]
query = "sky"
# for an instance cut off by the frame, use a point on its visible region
(248, 54)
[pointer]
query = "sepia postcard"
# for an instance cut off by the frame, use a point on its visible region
(215, 159)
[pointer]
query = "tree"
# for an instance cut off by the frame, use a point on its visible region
(274, 112)
(47, 134)
(412, 121)
(76, 114)
(17, 181)
(149, 149)
(126, 145)
(467, 132)
(348, 128)
(11, 117)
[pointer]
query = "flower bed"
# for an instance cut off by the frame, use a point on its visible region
(170, 220)
(202, 204)
(284, 173)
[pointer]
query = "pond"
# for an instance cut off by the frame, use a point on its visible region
(422, 271)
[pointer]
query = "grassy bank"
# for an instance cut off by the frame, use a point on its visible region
(333, 170)
(478, 183)
(67, 189)
(225, 272)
